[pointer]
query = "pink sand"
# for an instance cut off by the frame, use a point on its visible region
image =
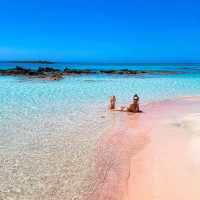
(150, 156)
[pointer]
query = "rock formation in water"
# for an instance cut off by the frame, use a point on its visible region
(50, 73)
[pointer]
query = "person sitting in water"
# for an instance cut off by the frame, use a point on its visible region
(112, 102)
(133, 107)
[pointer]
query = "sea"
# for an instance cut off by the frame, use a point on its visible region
(48, 129)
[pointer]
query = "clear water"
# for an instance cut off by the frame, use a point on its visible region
(49, 129)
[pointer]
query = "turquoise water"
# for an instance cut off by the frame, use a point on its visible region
(41, 120)
(82, 100)
(75, 92)
(79, 103)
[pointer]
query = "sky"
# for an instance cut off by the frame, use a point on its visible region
(100, 30)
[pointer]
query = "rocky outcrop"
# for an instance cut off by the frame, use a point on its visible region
(132, 72)
(45, 72)
(47, 69)
(15, 71)
(56, 74)
(123, 71)
(77, 71)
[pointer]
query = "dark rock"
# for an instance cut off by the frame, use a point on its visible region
(20, 70)
(47, 69)
(123, 71)
(56, 76)
(34, 73)
(77, 71)
(15, 71)
(107, 71)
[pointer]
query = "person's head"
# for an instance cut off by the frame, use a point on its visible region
(136, 98)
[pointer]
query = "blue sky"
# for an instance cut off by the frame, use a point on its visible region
(100, 30)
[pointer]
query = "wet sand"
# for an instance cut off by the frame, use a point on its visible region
(151, 156)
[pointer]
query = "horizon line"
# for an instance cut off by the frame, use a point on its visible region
(45, 61)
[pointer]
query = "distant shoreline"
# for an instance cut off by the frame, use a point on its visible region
(98, 63)
(31, 62)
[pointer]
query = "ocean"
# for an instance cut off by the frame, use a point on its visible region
(48, 129)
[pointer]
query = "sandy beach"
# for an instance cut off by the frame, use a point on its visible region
(63, 66)
(151, 156)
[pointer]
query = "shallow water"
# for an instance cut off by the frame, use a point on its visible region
(48, 130)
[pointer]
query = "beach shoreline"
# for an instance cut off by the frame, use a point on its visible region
(151, 155)
(53, 134)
